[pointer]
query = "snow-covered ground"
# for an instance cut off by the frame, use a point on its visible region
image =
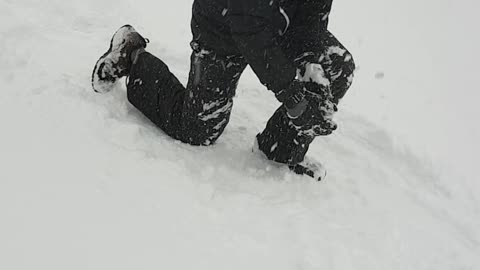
(86, 182)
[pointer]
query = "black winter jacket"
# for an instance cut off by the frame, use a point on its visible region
(256, 25)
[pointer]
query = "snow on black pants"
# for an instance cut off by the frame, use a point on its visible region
(198, 114)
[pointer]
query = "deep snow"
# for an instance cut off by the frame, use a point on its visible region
(86, 182)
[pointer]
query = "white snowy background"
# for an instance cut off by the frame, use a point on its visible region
(86, 182)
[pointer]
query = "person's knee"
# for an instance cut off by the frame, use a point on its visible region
(341, 62)
(342, 78)
(349, 66)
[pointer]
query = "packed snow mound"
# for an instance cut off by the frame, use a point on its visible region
(87, 182)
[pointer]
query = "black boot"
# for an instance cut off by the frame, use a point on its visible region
(310, 167)
(307, 166)
(116, 62)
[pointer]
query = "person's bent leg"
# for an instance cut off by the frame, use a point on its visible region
(197, 114)
(286, 141)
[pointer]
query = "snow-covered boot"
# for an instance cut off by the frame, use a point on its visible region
(116, 62)
(308, 167)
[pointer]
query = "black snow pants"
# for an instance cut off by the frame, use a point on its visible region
(198, 114)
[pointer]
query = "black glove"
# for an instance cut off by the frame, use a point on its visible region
(310, 107)
(293, 98)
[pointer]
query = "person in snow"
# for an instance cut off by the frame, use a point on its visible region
(285, 42)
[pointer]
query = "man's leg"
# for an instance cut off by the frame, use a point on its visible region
(197, 114)
(284, 141)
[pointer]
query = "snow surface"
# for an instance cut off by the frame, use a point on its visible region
(86, 182)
